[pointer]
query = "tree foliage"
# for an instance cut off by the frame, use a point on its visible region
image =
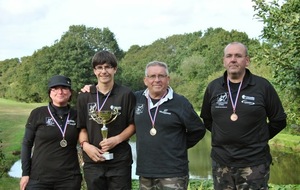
(26, 79)
(194, 59)
(281, 33)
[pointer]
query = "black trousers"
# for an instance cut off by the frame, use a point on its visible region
(73, 183)
(107, 178)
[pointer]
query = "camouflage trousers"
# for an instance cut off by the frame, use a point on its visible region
(233, 178)
(174, 183)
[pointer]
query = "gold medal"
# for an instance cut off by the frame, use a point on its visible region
(63, 143)
(153, 131)
(234, 117)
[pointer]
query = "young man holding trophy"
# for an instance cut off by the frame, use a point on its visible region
(105, 117)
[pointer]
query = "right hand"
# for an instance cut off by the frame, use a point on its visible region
(93, 152)
(23, 182)
(86, 88)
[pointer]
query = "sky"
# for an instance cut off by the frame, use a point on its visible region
(29, 25)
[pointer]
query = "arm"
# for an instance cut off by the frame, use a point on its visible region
(27, 144)
(276, 127)
(195, 129)
(111, 142)
(206, 111)
(93, 152)
(275, 112)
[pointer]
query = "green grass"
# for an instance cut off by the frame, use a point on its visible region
(290, 143)
(13, 116)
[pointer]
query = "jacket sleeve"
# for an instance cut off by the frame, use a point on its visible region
(195, 129)
(206, 110)
(27, 144)
(275, 112)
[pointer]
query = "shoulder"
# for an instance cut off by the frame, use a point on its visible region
(83, 95)
(36, 112)
(139, 93)
(40, 109)
(180, 99)
(260, 81)
(219, 80)
(122, 89)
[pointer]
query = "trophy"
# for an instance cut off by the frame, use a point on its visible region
(105, 117)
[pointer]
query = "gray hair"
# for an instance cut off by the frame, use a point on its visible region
(158, 63)
(239, 43)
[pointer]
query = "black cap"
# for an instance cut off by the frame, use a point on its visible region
(59, 80)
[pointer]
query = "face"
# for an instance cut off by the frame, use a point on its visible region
(60, 95)
(235, 61)
(157, 81)
(105, 73)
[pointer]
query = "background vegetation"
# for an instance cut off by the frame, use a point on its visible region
(13, 116)
(194, 59)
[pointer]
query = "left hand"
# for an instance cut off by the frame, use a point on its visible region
(109, 143)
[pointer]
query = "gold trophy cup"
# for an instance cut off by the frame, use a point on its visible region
(105, 117)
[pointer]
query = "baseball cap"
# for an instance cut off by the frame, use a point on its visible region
(59, 80)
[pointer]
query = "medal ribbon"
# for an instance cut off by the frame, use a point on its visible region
(66, 123)
(154, 117)
(98, 102)
(237, 95)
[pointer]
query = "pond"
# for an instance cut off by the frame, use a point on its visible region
(284, 170)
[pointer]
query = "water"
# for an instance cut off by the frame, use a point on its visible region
(15, 170)
(284, 169)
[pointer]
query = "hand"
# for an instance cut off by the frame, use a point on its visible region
(109, 143)
(93, 152)
(23, 182)
(86, 88)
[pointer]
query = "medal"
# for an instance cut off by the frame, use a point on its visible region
(153, 131)
(63, 143)
(233, 117)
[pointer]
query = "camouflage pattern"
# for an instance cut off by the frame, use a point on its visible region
(174, 183)
(248, 178)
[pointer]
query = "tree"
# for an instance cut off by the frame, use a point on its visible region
(281, 33)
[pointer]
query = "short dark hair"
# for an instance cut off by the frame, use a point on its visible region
(103, 57)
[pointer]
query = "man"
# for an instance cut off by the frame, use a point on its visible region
(102, 172)
(166, 126)
(243, 112)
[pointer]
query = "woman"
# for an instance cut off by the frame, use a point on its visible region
(49, 153)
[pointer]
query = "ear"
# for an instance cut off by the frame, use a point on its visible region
(247, 61)
(145, 81)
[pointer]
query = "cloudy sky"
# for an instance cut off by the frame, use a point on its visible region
(29, 25)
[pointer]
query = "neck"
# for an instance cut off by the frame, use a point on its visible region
(235, 77)
(56, 104)
(158, 95)
(104, 88)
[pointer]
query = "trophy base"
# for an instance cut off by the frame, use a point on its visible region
(108, 156)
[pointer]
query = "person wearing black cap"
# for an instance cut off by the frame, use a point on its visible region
(49, 153)
(100, 172)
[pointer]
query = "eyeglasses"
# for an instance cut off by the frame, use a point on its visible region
(237, 56)
(58, 88)
(103, 68)
(160, 77)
